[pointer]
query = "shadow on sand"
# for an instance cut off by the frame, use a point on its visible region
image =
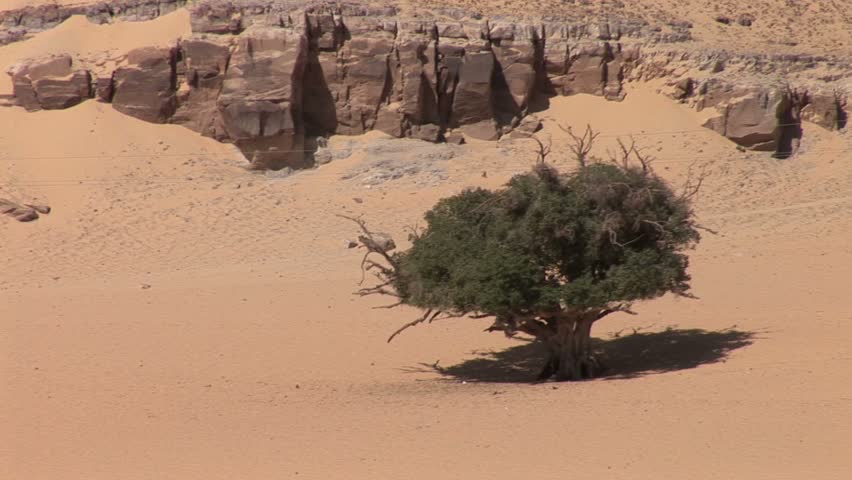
(628, 356)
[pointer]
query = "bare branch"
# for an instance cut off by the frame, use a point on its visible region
(387, 307)
(377, 243)
(708, 230)
(414, 231)
(543, 150)
(628, 151)
(426, 317)
(376, 291)
(582, 144)
(693, 182)
(658, 225)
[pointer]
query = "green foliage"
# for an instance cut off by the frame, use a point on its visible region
(588, 239)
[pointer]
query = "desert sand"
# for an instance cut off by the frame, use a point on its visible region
(178, 317)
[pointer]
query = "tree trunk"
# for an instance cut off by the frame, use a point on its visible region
(570, 351)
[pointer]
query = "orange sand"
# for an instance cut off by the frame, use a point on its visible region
(177, 317)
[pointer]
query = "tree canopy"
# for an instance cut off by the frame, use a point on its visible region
(548, 255)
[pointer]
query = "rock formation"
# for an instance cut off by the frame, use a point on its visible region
(145, 87)
(23, 22)
(50, 84)
(22, 213)
(271, 75)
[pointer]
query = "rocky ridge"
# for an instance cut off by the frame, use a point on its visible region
(272, 76)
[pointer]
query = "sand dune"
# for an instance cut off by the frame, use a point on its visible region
(178, 317)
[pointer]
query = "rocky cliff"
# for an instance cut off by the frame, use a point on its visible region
(271, 75)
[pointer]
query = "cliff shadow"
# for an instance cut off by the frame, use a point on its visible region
(623, 357)
(319, 111)
(789, 136)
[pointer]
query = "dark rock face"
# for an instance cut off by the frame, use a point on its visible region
(145, 88)
(50, 84)
(753, 119)
(261, 97)
(472, 106)
(201, 74)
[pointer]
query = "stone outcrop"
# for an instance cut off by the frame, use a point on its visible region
(753, 118)
(261, 98)
(201, 74)
(22, 212)
(19, 24)
(272, 75)
(50, 84)
(828, 109)
(145, 88)
(760, 100)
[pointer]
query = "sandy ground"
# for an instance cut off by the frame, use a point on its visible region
(177, 317)
(93, 44)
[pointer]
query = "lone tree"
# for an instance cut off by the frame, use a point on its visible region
(548, 255)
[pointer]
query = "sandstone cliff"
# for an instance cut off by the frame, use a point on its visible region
(269, 74)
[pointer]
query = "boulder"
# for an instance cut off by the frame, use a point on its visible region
(483, 130)
(587, 69)
(50, 84)
(455, 138)
(55, 93)
(529, 125)
(215, 17)
(754, 120)
(145, 87)
(22, 213)
(683, 88)
(825, 109)
(428, 132)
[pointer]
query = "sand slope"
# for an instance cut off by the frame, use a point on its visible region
(177, 317)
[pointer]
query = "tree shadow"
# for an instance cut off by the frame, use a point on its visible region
(624, 357)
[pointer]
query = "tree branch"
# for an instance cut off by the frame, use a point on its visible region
(426, 317)
(387, 307)
(582, 145)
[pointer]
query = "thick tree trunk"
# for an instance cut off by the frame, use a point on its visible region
(571, 355)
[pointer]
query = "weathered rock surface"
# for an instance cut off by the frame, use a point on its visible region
(201, 74)
(827, 109)
(146, 87)
(269, 75)
(50, 84)
(22, 213)
(751, 118)
(261, 97)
